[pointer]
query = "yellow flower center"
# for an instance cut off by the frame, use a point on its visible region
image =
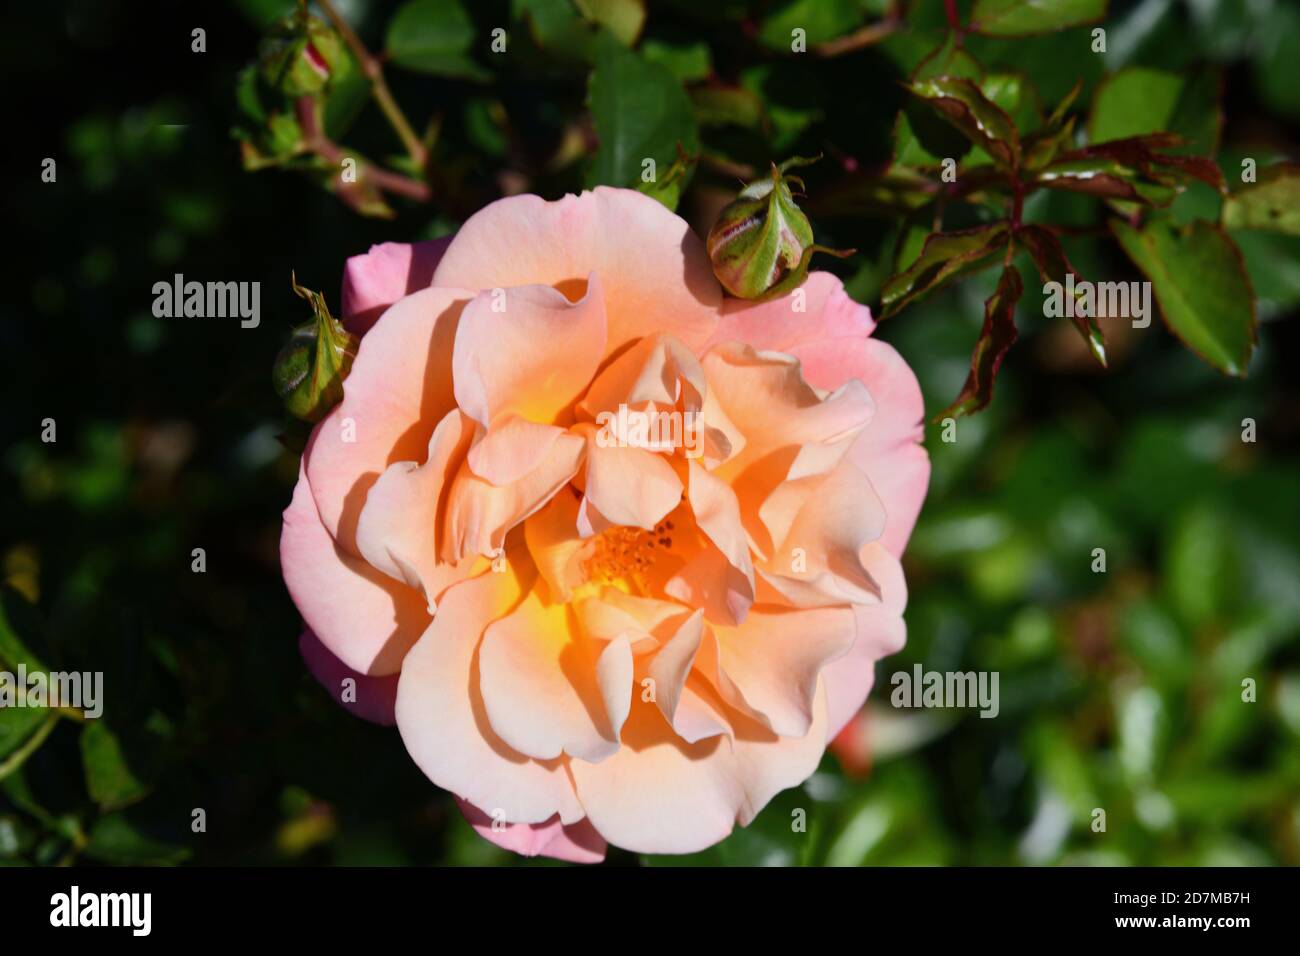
(621, 556)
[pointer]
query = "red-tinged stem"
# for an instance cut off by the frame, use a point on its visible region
(954, 21)
(316, 141)
(374, 71)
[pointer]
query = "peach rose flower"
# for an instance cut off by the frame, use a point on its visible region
(587, 627)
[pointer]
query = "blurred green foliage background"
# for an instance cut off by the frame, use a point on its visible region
(1119, 690)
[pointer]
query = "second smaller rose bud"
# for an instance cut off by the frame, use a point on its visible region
(302, 55)
(762, 243)
(309, 371)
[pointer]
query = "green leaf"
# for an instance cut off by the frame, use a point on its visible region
(12, 650)
(248, 95)
(1202, 570)
(434, 36)
(569, 28)
(109, 780)
(347, 97)
(1273, 263)
(556, 27)
(996, 337)
(1041, 59)
(920, 137)
(727, 106)
(1009, 18)
(640, 112)
(1137, 169)
(1272, 203)
(1276, 59)
(821, 20)
(486, 125)
(623, 18)
(22, 729)
(1137, 100)
(1201, 285)
(945, 255)
(1149, 633)
(977, 117)
(667, 186)
(1053, 266)
(1056, 133)
(687, 62)
(1105, 178)
(896, 192)
(114, 840)
(1043, 146)
(948, 59)
(1015, 96)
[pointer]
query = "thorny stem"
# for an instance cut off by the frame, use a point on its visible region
(374, 71)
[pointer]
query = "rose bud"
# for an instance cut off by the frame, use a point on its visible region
(309, 371)
(762, 242)
(302, 55)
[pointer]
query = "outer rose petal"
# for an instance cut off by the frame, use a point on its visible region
(443, 722)
(399, 388)
(362, 616)
(887, 449)
(375, 696)
(880, 632)
(659, 794)
(833, 517)
(574, 842)
(389, 271)
(827, 312)
(775, 659)
(654, 270)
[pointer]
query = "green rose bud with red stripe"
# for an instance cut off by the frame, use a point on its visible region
(302, 55)
(762, 243)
